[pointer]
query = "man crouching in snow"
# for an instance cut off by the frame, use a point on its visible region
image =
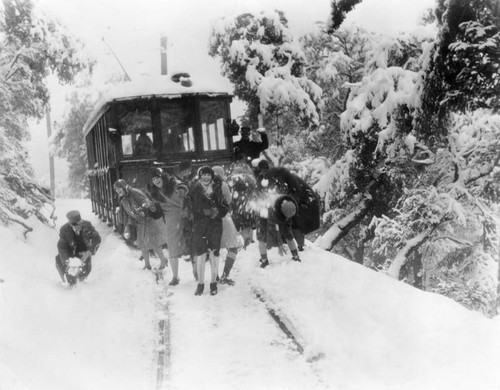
(276, 226)
(77, 238)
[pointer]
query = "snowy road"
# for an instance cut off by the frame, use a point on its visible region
(371, 331)
(223, 341)
(233, 340)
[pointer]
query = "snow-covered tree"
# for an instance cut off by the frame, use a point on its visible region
(464, 69)
(32, 47)
(266, 67)
(419, 181)
(335, 61)
(370, 176)
(70, 143)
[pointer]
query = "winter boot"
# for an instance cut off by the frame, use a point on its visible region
(264, 262)
(225, 280)
(199, 289)
(295, 255)
(213, 288)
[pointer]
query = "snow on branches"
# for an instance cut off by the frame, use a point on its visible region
(266, 66)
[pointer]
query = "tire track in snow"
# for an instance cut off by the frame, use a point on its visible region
(163, 343)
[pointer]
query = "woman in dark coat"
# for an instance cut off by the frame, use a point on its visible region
(133, 206)
(208, 207)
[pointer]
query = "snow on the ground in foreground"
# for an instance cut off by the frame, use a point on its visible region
(360, 329)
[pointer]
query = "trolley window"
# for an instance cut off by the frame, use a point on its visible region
(213, 121)
(135, 124)
(177, 126)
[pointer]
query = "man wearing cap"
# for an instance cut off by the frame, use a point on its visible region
(275, 223)
(251, 148)
(77, 238)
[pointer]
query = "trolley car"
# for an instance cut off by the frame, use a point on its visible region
(154, 122)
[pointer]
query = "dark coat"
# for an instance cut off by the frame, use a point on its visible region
(72, 245)
(207, 225)
(282, 181)
(250, 148)
(276, 227)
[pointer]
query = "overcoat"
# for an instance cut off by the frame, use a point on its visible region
(282, 181)
(71, 245)
(175, 215)
(207, 211)
(150, 232)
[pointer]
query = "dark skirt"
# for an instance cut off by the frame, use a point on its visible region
(207, 235)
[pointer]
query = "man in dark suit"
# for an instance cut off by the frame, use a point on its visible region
(77, 238)
(248, 147)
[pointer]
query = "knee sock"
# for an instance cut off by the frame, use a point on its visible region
(214, 268)
(230, 258)
(200, 268)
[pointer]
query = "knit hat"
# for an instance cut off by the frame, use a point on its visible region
(219, 171)
(205, 169)
(288, 208)
(263, 164)
(182, 186)
(73, 217)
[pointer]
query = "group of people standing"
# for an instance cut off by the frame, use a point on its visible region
(194, 221)
(198, 216)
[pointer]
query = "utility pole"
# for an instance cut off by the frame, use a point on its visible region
(163, 55)
(51, 158)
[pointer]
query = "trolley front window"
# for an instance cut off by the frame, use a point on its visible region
(177, 126)
(135, 125)
(213, 122)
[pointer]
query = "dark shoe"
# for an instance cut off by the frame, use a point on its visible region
(174, 282)
(301, 249)
(146, 267)
(141, 258)
(296, 258)
(225, 280)
(163, 265)
(199, 289)
(213, 288)
(264, 263)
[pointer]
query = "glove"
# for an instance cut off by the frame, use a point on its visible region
(207, 212)
(126, 233)
(213, 212)
(282, 250)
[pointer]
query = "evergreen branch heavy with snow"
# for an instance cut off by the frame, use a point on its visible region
(417, 168)
(266, 67)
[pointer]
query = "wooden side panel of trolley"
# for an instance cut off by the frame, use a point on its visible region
(127, 136)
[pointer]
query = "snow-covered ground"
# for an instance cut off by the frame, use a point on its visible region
(359, 329)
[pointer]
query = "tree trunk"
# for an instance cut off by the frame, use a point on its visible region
(417, 270)
(339, 230)
(402, 256)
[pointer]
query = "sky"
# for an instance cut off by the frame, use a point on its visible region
(132, 30)
(358, 329)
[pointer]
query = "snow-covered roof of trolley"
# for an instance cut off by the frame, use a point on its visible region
(170, 86)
